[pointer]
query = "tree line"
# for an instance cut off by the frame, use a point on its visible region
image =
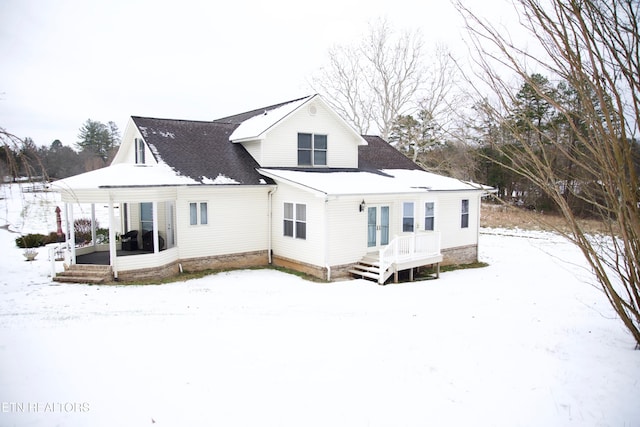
(96, 146)
(563, 138)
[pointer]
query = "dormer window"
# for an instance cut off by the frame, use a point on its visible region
(139, 151)
(312, 149)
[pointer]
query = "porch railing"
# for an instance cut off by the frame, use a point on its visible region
(420, 245)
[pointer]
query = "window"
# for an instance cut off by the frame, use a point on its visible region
(295, 220)
(429, 216)
(464, 219)
(407, 217)
(194, 218)
(146, 217)
(139, 151)
(312, 149)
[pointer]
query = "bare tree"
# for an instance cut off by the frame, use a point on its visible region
(593, 45)
(18, 157)
(372, 83)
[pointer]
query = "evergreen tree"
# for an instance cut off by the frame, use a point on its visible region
(98, 139)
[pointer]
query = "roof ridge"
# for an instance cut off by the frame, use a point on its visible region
(241, 117)
(172, 120)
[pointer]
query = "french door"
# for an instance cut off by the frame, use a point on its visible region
(377, 226)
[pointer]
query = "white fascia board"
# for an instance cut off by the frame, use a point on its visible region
(314, 191)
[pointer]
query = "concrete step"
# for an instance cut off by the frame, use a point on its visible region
(89, 267)
(94, 280)
(85, 273)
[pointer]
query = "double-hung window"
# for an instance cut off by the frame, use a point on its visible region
(312, 149)
(464, 217)
(429, 216)
(295, 220)
(198, 213)
(407, 217)
(139, 151)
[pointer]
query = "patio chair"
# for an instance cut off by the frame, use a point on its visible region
(130, 240)
(147, 241)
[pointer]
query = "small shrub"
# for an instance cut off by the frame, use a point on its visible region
(33, 240)
(82, 228)
(53, 238)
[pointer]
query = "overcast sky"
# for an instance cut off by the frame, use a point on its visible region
(65, 61)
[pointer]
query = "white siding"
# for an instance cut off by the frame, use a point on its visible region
(237, 221)
(348, 226)
(255, 149)
(310, 250)
(347, 231)
(127, 151)
(448, 218)
(280, 147)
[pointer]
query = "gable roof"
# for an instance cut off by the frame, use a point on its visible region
(199, 150)
(238, 119)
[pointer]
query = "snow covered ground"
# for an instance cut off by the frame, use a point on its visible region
(523, 342)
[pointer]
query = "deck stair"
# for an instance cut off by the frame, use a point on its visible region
(403, 253)
(85, 273)
(368, 267)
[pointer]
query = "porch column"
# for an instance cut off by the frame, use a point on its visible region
(93, 225)
(154, 209)
(113, 249)
(72, 232)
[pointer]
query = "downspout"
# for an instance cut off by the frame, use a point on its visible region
(326, 238)
(270, 226)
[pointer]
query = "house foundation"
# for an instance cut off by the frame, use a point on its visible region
(460, 255)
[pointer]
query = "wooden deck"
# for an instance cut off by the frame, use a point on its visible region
(402, 253)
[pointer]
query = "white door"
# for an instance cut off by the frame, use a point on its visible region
(377, 226)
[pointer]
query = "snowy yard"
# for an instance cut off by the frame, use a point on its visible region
(523, 342)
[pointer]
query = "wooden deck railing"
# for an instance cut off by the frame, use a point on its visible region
(403, 249)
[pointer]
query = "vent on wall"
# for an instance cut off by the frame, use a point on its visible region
(313, 110)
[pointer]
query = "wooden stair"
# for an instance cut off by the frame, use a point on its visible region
(367, 268)
(85, 273)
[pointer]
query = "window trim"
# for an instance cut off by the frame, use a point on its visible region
(313, 151)
(413, 217)
(464, 216)
(433, 202)
(294, 221)
(139, 151)
(198, 212)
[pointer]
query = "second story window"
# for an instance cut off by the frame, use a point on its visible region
(312, 149)
(139, 151)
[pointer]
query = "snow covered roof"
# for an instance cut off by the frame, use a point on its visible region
(357, 181)
(124, 175)
(199, 150)
(257, 125)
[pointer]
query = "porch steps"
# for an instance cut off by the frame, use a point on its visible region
(85, 273)
(368, 267)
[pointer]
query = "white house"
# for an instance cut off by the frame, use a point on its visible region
(291, 184)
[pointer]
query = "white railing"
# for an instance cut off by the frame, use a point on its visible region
(405, 248)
